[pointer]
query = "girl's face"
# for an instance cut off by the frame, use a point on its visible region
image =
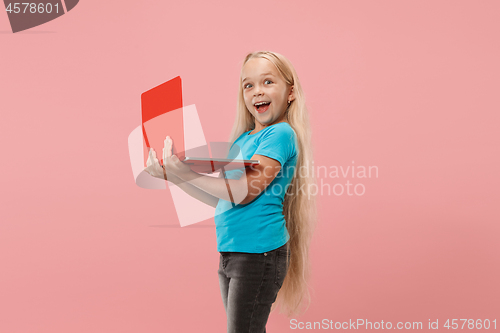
(263, 83)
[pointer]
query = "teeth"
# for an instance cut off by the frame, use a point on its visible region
(257, 104)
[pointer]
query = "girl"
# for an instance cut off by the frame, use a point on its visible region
(265, 214)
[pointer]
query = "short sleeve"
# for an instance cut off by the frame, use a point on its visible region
(278, 142)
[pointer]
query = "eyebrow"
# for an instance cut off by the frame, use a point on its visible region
(263, 74)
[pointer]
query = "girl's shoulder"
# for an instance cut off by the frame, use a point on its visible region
(285, 126)
(282, 128)
(278, 131)
(277, 135)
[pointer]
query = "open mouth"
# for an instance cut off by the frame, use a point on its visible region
(261, 106)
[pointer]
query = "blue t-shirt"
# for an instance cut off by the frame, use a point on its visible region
(260, 225)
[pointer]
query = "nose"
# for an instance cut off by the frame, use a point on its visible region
(257, 91)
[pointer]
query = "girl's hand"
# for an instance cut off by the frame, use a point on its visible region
(171, 162)
(153, 166)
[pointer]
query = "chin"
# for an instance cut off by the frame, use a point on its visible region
(264, 120)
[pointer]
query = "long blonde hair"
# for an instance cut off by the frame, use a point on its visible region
(299, 206)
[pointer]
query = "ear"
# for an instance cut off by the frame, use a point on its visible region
(291, 95)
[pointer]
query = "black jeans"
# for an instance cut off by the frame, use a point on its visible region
(249, 284)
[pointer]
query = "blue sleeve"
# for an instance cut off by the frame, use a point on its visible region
(278, 143)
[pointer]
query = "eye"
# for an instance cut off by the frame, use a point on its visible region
(269, 81)
(246, 85)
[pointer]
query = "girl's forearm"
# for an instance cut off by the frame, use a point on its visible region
(194, 192)
(233, 190)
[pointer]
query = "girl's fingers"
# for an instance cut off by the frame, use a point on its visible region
(152, 156)
(167, 150)
(164, 152)
(153, 167)
(168, 146)
(152, 160)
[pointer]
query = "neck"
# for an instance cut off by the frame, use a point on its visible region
(259, 126)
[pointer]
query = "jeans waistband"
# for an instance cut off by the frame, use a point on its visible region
(281, 248)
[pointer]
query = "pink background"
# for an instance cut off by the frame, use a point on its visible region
(409, 87)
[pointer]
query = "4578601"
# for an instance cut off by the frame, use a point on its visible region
(470, 324)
